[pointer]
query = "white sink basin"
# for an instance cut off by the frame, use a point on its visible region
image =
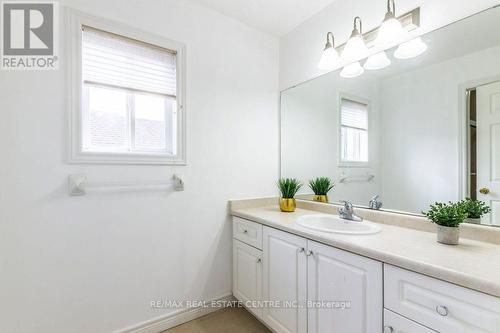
(334, 224)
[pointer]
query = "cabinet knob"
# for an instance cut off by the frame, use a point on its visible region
(442, 310)
(259, 260)
(309, 253)
(301, 250)
(245, 231)
(388, 329)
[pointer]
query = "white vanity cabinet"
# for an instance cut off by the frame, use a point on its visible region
(314, 288)
(349, 283)
(247, 275)
(284, 281)
(247, 264)
(336, 291)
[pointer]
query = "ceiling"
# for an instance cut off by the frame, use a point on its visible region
(277, 17)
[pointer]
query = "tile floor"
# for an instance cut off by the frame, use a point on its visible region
(230, 320)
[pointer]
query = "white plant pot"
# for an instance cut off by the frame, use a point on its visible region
(448, 235)
(473, 221)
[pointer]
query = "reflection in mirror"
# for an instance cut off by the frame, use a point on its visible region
(418, 131)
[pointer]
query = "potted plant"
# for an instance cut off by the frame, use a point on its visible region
(475, 210)
(288, 188)
(448, 218)
(321, 186)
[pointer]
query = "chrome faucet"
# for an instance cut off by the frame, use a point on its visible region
(374, 203)
(346, 212)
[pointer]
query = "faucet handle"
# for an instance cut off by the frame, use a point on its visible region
(346, 210)
(374, 203)
(347, 204)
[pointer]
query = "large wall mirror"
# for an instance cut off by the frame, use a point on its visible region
(420, 131)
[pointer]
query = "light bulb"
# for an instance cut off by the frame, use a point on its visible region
(329, 59)
(377, 61)
(390, 33)
(353, 70)
(355, 47)
(410, 49)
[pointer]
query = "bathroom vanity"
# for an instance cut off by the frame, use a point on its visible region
(397, 280)
(420, 131)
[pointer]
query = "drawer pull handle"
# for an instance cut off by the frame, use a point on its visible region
(442, 310)
(388, 329)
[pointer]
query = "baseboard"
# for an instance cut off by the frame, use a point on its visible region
(162, 323)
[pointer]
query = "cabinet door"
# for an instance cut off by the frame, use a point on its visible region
(346, 291)
(247, 275)
(394, 323)
(284, 281)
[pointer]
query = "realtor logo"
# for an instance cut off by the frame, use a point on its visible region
(29, 38)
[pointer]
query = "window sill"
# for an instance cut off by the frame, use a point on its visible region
(348, 164)
(126, 158)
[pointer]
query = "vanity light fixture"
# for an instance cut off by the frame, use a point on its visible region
(410, 49)
(355, 48)
(330, 58)
(353, 70)
(391, 31)
(377, 61)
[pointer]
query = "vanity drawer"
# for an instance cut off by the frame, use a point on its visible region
(394, 323)
(248, 232)
(439, 305)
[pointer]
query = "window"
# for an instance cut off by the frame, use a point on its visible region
(353, 132)
(129, 98)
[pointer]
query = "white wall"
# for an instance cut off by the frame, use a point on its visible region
(300, 49)
(420, 130)
(310, 134)
(94, 263)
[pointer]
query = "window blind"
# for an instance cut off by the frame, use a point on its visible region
(118, 61)
(354, 131)
(354, 114)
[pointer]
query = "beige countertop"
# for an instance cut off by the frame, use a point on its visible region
(472, 264)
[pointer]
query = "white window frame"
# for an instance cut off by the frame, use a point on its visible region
(352, 164)
(75, 21)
